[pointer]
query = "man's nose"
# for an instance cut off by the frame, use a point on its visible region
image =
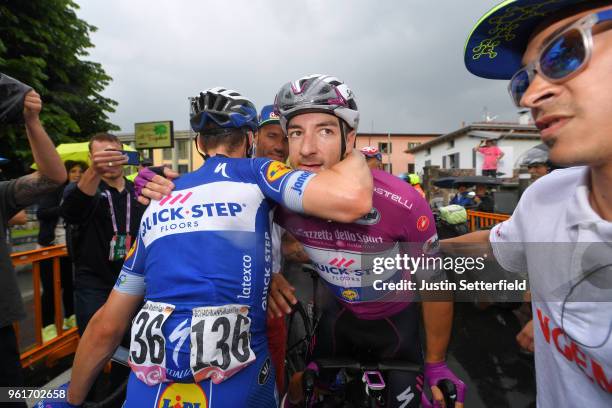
(309, 144)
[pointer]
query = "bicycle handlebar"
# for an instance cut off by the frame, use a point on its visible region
(447, 388)
(352, 364)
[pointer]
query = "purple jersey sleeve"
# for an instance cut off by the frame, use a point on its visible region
(420, 237)
(420, 226)
(415, 221)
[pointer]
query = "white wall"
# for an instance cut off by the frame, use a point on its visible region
(513, 150)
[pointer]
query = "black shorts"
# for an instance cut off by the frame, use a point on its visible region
(490, 173)
(341, 334)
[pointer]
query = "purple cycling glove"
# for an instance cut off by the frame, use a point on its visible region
(144, 176)
(436, 372)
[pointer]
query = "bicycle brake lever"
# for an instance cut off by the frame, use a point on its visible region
(308, 384)
(449, 391)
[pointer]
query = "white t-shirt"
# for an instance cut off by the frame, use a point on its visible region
(566, 247)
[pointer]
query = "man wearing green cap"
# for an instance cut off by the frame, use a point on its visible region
(557, 55)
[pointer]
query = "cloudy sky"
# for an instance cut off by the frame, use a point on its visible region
(402, 58)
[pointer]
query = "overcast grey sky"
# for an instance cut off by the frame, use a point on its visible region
(402, 58)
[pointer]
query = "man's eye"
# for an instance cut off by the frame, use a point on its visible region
(294, 133)
(326, 132)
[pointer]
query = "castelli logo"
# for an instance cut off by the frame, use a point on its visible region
(422, 223)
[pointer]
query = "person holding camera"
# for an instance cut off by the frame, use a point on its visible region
(103, 207)
(104, 217)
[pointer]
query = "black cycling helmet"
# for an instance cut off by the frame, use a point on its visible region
(224, 107)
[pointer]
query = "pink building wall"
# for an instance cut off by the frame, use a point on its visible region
(399, 144)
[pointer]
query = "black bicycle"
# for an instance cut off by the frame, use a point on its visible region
(358, 383)
(301, 327)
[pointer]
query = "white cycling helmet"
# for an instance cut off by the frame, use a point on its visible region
(317, 93)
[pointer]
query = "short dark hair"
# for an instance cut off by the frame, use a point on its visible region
(70, 164)
(232, 139)
(104, 137)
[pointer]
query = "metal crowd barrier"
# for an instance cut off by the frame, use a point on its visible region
(478, 220)
(67, 340)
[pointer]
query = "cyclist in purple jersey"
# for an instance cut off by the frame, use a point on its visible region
(320, 117)
(399, 222)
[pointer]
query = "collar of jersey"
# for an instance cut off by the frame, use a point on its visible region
(580, 212)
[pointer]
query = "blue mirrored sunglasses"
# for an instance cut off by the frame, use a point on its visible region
(563, 57)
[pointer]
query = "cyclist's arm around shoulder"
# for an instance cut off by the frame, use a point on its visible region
(342, 193)
(472, 244)
(102, 336)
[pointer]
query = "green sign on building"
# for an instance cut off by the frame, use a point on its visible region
(154, 135)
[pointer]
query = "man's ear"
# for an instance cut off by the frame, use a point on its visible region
(351, 140)
(200, 144)
(252, 137)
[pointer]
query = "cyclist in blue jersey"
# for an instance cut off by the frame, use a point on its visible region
(199, 264)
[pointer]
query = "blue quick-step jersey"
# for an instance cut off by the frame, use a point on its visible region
(202, 260)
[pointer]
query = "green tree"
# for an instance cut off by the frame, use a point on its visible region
(44, 44)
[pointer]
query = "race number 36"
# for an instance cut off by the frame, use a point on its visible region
(220, 342)
(148, 347)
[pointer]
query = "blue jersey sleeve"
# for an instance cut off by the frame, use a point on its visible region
(131, 277)
(281, 184)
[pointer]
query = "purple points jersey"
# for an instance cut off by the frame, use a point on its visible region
(345, 255)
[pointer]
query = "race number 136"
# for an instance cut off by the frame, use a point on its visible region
(220, 342)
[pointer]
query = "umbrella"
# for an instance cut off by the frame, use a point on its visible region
(452, 182)
(473, 180)
(445, 182)
(78, 152)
